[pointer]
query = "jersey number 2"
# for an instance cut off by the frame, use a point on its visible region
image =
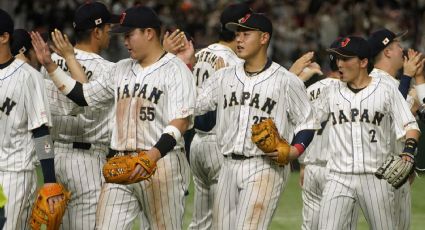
(372, 132)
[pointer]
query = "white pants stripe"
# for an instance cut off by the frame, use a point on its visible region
(161, 198)
(344, 191)
(205, 162)
(80, 171)
(248, 193)
(19, 188)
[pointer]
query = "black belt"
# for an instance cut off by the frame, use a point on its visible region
(81, 145)
(235, 156)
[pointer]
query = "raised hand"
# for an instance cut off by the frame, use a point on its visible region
(187, 52)
(412, 63)
(42, 50)
(62, 46)
(301, 63)
(173, 42)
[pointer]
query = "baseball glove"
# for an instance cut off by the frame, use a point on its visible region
(267, 138)
(396, 169)
(118, 169)
(41, 214)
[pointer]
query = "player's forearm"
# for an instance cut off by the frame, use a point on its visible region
(68, 86)
(45, 153)
(413, 133)
(76, 70)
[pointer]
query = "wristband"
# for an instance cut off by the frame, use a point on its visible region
(410, 146)
(165, 144)
(62, 81)
(300, 148)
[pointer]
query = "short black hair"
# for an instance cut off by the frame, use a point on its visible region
(84, 35)
(226, 35)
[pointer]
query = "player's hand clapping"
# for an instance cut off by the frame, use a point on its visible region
(42, 51)
(412, 63)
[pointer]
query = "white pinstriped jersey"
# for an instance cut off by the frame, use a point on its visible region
(146, 99)
(23, 107)
(318, 150)
(87, 124)
(360, 124)
(206, 60)
(274, 93)
(205, 64)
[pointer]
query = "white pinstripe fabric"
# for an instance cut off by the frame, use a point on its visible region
(402, 195)
(79, 170)
(161, 198)
(249, 189)
(205, 158)
(357, 152)
(146, 100)
(23, 107)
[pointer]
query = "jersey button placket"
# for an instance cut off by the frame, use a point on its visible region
(357, 137)
(244, 118)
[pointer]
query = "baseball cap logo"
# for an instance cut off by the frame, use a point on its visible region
(243, 20)
(122, 17)
(345, 42)
(98, 21)
(385, 41)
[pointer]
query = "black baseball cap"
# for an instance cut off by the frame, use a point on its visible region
(252, 21)
(137, 17)
(380, 39)
(92, 14)
(351, 46)
(233, 13)
(21, 42)
(6, 23)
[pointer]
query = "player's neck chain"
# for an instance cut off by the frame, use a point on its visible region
(355, 90)
(6, 64)
(266, 66)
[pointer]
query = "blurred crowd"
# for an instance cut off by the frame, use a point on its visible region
(299, 25)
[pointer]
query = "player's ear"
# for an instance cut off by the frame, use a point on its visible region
(97, 33)
(265, 38)
(364, 62)
(150, 33)
(5, 38)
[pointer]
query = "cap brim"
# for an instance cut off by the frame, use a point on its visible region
(114, 19)
(401, 34)
(232, 26)
(118, 29)
(338, 52)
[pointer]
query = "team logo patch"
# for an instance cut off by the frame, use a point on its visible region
(22, 50)
(243, 20)
(47, 147)
(122, 17)
(345, 42)
(98, 21)
(385, 41)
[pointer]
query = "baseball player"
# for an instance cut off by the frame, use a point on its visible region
(250, 182)
(388, 60)
(362, 112)
(313, 162)
(24, 121)
(154, 95)
(81, 140)
(205, 157)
